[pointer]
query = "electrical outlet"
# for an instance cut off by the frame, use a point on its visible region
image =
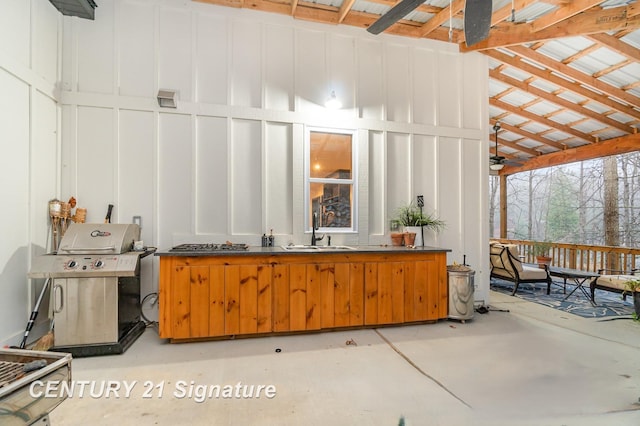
(137, 220)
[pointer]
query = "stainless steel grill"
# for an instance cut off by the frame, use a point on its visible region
(17, 405)
(95, 288)
(9, 371)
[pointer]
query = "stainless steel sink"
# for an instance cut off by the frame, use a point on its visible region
(317, 249)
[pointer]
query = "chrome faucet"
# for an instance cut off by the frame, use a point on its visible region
(314, 226)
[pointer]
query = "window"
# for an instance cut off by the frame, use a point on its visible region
(330, 159)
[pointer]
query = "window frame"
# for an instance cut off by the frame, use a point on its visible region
(308, 180)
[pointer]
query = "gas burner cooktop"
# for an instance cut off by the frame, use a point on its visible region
(209, 247)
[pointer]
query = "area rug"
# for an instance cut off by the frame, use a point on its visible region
(608, 304)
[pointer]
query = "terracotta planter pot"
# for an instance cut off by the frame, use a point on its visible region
(409, 238)
(543, 260)
(397, 239)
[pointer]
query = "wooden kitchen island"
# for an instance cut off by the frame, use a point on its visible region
(272, 290)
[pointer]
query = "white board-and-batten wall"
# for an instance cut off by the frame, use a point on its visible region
(227, 163)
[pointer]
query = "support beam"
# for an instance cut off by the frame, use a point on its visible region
(621, 145)
(503, 206)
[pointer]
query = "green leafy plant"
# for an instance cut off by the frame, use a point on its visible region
(541, 248)
(410, 215)
(631, 286)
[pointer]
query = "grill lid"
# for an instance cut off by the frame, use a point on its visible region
(99, 238)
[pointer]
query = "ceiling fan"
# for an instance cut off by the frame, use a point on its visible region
(496, 161)
(477, 18)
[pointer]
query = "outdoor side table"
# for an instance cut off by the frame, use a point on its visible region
(579, 277)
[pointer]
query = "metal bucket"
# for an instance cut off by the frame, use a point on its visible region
(461, 291)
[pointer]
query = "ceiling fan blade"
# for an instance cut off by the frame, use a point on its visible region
(477, 20)
(397, 12)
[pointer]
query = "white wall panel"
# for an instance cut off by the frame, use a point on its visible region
(45, 36)
(246, 65)
(96, 57)
(449, 90)
(370, 81)
(475, 76)
(425, 167)
(212, 59)
(226, 161)
(45, 167)
(342, 69)
(136, 47)
(398, 83)
(278, 175)
(175, 52)
(376, 207)
(398, 171)
(212, 175)
(136, 182)
(425, 81)
(175, 178)
(14, 192)
(96, 162)
(475, 227)
(246, 178)
(279, 68)
(136, 168)
(15, 30)
(450, 196)
(311, 71)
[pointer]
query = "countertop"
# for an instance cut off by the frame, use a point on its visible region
(278, 250)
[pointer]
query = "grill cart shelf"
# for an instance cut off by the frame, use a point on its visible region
(18, 403)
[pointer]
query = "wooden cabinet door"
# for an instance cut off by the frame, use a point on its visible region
(304, 297)
(196, 301)
(247, 299)
(384, 293)
(342, 294)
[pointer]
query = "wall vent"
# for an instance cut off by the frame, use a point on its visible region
(80, 8)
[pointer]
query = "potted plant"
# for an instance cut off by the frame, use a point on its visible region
(633, 287)
(414, 221)
(541, 252)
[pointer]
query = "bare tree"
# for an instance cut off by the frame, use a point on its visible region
(611, 212)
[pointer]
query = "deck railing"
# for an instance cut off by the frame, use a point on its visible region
(582, 257)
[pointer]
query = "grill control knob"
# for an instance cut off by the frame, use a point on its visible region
(98, 264)
(72, 264)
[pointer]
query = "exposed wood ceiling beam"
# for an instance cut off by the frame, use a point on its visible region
(526, 87)
(589, 22)
(547, 122)
(616, 146)
(578, 76)
(562, 13)
(533, 136)
(515, 146)
(617, 45)
(548, 75)
(344, 9)
(504, 13)
(441, 17)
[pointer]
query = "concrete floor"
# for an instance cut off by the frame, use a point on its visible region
(530, 366)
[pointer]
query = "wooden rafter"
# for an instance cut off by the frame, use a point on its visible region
(547, 122)
(550, 76)
(616, 146)
(578, 76)
(590, 22)
(525, 87)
